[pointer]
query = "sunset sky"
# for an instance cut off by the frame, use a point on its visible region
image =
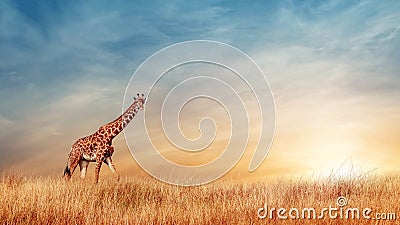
(333, 67)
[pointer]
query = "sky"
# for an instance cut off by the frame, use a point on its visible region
(332, 67)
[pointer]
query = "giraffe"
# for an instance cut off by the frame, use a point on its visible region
(98, 146)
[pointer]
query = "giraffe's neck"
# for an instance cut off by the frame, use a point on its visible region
(115, 127)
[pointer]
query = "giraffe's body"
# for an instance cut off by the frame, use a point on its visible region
(98, 146)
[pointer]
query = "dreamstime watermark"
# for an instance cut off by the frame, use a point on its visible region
(338, 211)
(190, 84)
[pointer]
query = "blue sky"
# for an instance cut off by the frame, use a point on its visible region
(62, 62)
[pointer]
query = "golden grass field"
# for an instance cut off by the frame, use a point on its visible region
(28, 200)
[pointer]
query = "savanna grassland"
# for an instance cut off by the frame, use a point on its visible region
(29, 200)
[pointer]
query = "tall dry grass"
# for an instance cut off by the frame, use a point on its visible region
(27, 200)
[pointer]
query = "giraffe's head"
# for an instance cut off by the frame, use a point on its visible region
(140, 99)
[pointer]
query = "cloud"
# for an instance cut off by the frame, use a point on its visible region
(5, 123)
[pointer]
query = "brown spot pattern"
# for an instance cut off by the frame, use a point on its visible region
(97, 147)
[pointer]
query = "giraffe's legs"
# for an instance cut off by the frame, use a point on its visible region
(110, 164)
(83, 165)
(99, 161)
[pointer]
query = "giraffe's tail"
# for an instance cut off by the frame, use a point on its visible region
(67, 171)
